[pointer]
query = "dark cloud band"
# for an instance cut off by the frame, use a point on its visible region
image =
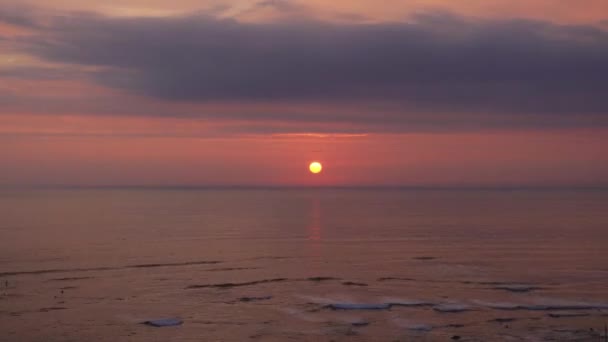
(533, 71)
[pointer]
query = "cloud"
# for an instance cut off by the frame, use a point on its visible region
(42, 73)
(21, 16)
(455, 71)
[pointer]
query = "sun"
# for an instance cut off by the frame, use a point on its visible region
(315, 167)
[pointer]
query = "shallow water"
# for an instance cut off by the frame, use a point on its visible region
(317, 264)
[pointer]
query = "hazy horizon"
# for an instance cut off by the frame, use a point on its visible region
(599, 187)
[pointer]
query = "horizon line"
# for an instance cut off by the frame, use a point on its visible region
(304, 187)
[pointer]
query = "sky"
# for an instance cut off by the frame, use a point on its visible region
(396, 93)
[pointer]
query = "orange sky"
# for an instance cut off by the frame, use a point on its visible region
(123, 151)
(60, 127)
(555, 10)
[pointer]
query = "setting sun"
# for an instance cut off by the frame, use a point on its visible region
(315, 167)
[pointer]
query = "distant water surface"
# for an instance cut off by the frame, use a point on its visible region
(160, 248)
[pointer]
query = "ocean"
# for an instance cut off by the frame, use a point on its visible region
(278, 264)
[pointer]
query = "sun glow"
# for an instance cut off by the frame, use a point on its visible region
(315, 167)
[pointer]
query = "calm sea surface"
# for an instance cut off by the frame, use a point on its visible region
(273, 264)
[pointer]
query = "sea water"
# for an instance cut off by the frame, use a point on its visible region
(303, 264)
